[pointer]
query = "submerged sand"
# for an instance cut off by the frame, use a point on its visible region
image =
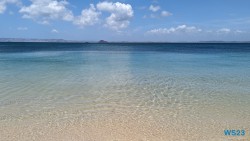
(118, 124)
(122, 97)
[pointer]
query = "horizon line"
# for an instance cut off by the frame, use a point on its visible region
(54, 40)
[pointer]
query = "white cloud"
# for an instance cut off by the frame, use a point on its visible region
(239, 31)
(4, 3)
(88, 17)
(45, 10)
(161, 15)
(156, 14)
(154, 8)
(229, 31)
(22, 28)
(178, 29)
(121, 14)
(54, 31)
(166, 14)
(224, 30)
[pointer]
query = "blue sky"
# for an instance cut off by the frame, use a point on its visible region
(126, 20)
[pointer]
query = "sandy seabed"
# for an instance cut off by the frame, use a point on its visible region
(113, 125)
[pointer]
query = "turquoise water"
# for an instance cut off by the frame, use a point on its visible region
(123, 91)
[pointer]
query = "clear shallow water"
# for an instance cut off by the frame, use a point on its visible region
(123, 91)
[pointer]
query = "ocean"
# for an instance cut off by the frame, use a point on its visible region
(124, 91)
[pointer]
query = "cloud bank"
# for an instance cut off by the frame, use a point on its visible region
(45, 11)
(178, 29)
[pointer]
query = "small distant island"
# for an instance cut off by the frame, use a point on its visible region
(103, 41)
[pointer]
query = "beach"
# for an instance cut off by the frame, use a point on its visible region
(121, 92)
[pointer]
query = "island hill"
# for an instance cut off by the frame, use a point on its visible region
(100, 42)
(103, 41)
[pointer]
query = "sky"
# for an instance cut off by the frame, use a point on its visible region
(126, 20)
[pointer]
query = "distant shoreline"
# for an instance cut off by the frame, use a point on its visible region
(127, 42)
(23, 40)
